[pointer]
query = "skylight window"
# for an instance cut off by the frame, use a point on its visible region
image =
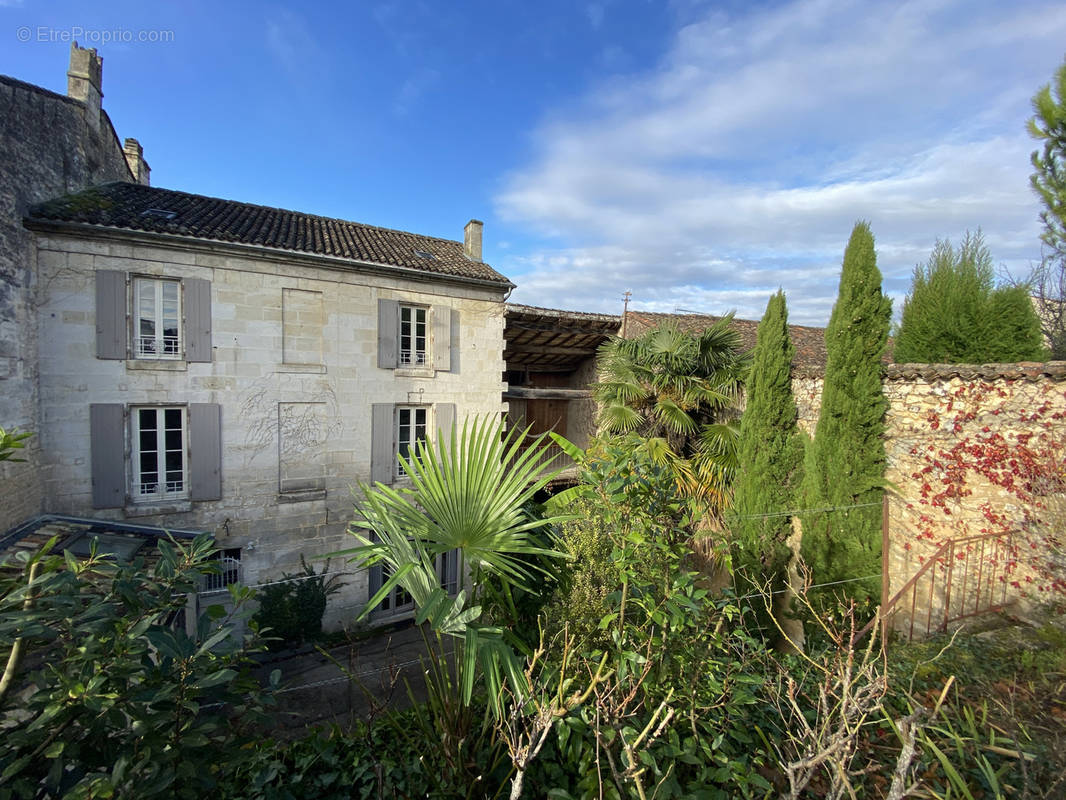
(425, 255)
(118, 545)
(159, 213)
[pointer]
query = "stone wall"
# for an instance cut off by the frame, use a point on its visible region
(279, 418)
(50, 147)
(972, 452)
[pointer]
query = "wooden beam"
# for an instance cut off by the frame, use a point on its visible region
(532, 366)
(548, 350)
(546, 393)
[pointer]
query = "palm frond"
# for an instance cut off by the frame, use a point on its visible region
(465, 495)
(620, 418)
(673, 417)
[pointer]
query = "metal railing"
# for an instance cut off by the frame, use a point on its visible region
(416, 357)
(168, 346)
(228, 574)
(962, 578)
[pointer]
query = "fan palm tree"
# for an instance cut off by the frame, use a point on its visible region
(466, 495)
(679, 391)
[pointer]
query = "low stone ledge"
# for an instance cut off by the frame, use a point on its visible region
(1023, 370)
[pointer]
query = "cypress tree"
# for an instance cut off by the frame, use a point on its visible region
(844, 466)
(770, 457)
(955, 314)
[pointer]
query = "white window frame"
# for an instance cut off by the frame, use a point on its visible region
(412, 438)
(409, 353)
(158, 346)
(142, 491)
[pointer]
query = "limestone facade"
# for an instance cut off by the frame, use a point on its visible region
(293, 368)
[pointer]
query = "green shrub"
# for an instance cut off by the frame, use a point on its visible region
(117, 699)
(683, 671)
(290, 611)
(621, 489)
(680, 667)
(330, 764)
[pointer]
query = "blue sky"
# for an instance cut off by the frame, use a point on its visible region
(699, 154)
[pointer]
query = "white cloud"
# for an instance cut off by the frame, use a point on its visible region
(290, 41)
(741, 161)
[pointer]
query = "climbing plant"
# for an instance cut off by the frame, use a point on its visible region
(990, 459)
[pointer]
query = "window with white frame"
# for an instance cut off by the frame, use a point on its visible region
(413, 335)
(160, 464)
(156, 318)
(411, 425)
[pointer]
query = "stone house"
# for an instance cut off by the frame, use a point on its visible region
(207, 364)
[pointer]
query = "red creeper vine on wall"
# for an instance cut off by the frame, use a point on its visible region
(985, 466)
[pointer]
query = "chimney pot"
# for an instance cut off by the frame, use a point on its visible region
(135, 159)
(85, 81)
(472, 239)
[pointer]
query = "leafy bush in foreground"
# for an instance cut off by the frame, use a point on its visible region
(115, 698)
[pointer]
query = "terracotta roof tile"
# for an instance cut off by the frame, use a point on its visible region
(809, 342)
(123, 206)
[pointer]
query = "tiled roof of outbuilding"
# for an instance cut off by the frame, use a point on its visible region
(538, 339)
(809, 342)
(134, 207)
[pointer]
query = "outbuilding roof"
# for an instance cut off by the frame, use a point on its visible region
(808, 342)
(76, 534)
(552, 340)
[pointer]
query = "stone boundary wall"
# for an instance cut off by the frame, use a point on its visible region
(972, 450)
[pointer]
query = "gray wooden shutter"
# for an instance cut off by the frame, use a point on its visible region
(197, 307)
(442, 337)
(107, 449)
(388, 330)
(205, 451)
(382, 452)
(110, 315)
(455, 341)
(445, 422)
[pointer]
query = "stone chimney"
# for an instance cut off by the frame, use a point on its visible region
(84, 81)
(472, 239)
(135, 158)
